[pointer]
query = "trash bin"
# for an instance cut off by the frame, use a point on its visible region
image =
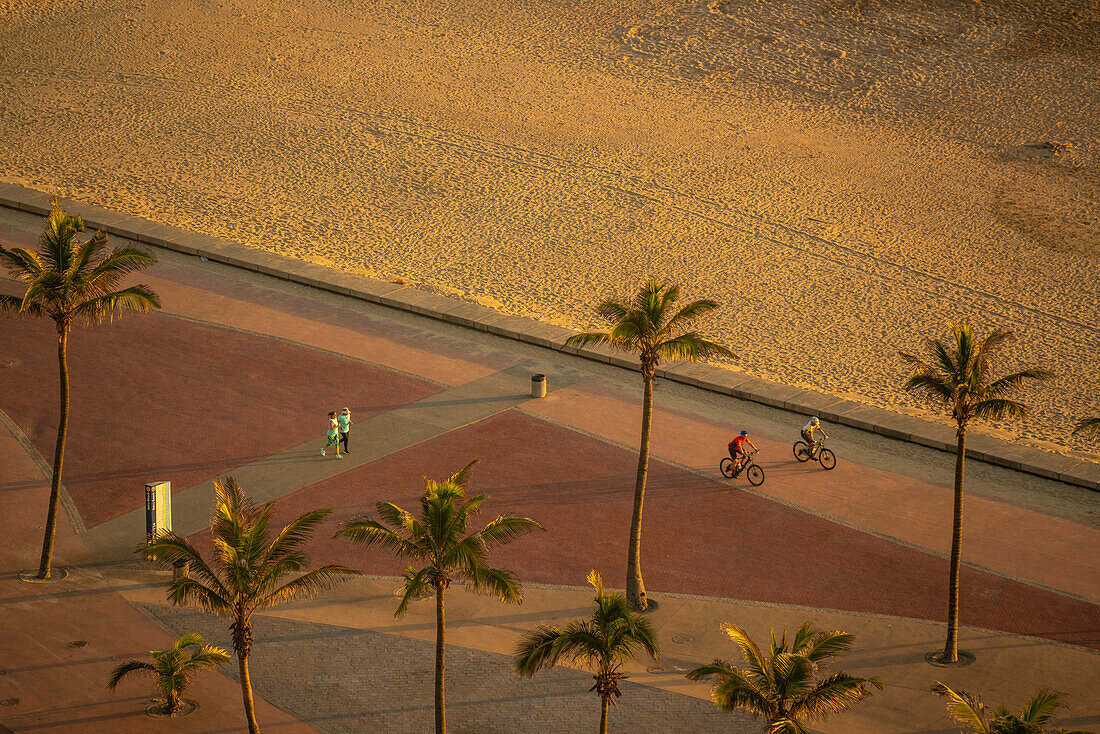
(538, 386)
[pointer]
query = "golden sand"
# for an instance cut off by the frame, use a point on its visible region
(842, 175)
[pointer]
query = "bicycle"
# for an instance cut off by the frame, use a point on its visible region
(751, 470)
(820, 454)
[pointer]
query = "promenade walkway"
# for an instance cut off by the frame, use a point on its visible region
(236, 375)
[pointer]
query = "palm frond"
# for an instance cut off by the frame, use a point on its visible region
(631, 334)
(138, 298)
(461, 478)
(209, 657)
(930, 385)
(1010, 382)
(690, 312)
(496, 581)
(996, 341)
(116, 264)
(305, 586)
(785, 725)
(395, 516)
(964, 708)
(832, 695)
(588, 338)
(505, 529)
(190, 639)
(1041, 707)
(173, 550)
(732, 690)
(536, 650)
(293, 536)
(370, 532)
(751, 652)
(999, 409)
(22, 264)
(692, 347)
(124, 669)
(417, 585)
(792, 675)
(187, 590)
(612, 310)
(827, 644)
(19, 307)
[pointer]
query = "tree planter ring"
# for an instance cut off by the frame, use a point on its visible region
(155, 709)
(31, 576)
(934, 658)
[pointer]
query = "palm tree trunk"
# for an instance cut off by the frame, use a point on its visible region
(172, 702)
(603, 715)
(246, 693)
(635, 588)
(46, 563)
(951, 648)
(440, 648)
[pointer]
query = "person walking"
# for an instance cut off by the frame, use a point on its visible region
(345, 421)
(333, 438)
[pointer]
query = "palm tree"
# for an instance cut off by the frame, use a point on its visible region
(606, 640)
(784, 688)
(248, 570)
(72, 283)
(976, 717)
(959, 377)
(173, 668)
(648, 326)
(437, 542)
(1088, 425)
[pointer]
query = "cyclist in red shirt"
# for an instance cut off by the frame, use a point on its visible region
(737, 451)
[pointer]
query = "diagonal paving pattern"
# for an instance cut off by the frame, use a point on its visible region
(277, 475)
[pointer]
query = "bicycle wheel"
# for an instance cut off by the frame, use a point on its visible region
(727, 467)
(800, 451)
(755, 475)
(827, 458)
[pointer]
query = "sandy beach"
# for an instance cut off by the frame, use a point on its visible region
(843, 176)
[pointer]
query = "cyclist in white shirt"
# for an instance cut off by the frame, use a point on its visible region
(814, 424)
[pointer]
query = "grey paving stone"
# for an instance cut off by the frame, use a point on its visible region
(982, 447)
(834, 412)
(692, 373)
(433, 304)
(349, 681)
(25, 199)
(1086, 474)
(724, 380)
(773, 393)
(1014, 456)
(483, 323)
(810, 402)
(864, 417)
(747, 389)
(466, 313)
(374, 290)
(510, 326)
(935, 435)
(546, 335)
(1051, 465)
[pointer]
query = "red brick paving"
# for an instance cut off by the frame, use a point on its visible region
(61, 687)
(160, 398)
(700, 536)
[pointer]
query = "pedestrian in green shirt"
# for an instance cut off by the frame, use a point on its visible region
(333, 438)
